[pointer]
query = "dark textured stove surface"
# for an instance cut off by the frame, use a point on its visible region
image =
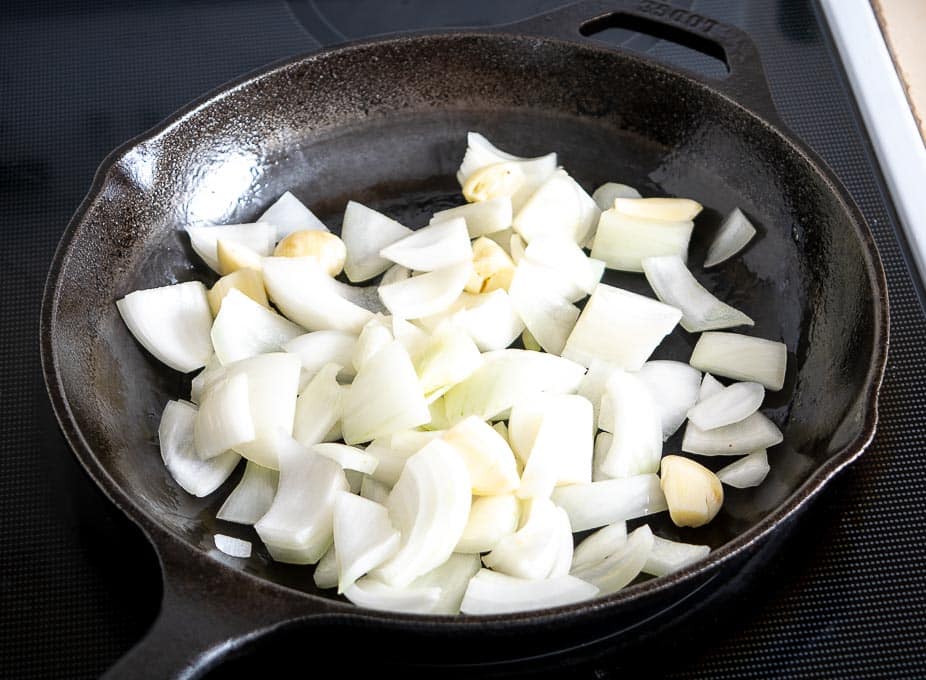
(846, 594)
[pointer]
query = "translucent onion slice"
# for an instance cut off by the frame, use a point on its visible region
(730, 405)
(532, 551)
(481, 153)
(559, 207)
(752, 433)
(289, 214)
(674, 387)
(259, 237)
(430, 506)
(490, 319)
(171, 322)
(374, 594)
(622, 566)
(600, 545)
(385, 397)
(326, 571)
(491, 518)
(488, 458)
(667, 556)
(709, 387)
(244, 328)
(548, 316)
(364, 537)
(594, 505)
(305, 293)
(299, 526)
(375, 335)
(428, 293)
(485, 217)
(433, 247)
(231, 546)
(450, 356)
(742, 358)
(318, 407)
(250, 500)
(374, 490)
(619, 327)
(323, 347)
(225, 419)
(389, 462)
(175, 438)
(733, 235)
(605, 194)
(492, 593)
(636, 447)
(664, 209)
(452, 577)
(273, 380)
(567, 259)
(365, 232)
(348, 457)
(675, 285)
(747, 472)
(508, 376)
(622, 241)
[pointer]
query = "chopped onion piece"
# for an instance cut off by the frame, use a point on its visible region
(433, 247)
(171, 322)
(374, 336)
(394, 274)
(622, 241)
(674, 387)
(318, 407)
(481, 153)
(430, 506)
(288, 279)
(492, 593)
(619, 327)
(664, 209)
(233, 547)
(389, 462)
(490, 319)
(452, 577)
(548, 316)
(748, 471)
(449, 357)
(385, 397)
(299, 526)
(485, 217)
(600, 545)
(413, 339)
(319, 348)
(246, 280)
(175, 438)
(752, 433)
(532, 551)
(593, 386)
(250, 500)
(622, 566)
(364, 537)
(288, 214)
(709, 387)
(374, 594)
(487, 456)
(244, 328)
(365, 232)
(733, 235)
(225, 418)
(259, 237)
(590, 506)
(326, 571)
(568, 260)
(742, 358)
(428, 293)
(373, 489)
(602, 446)
(637, 428)
(730, 405)
(207, 377)
(412, 441)
(516, 248)
(676, 286)
(348, 457)
(508, 376)
(491, 518)
(559, 207)
(605, 194)
(668, 556)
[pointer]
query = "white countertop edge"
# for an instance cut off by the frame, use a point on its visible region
(886, 111)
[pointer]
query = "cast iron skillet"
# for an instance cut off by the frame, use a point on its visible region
(383, 122)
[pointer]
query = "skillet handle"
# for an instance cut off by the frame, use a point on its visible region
(205, 618)
(745, 83)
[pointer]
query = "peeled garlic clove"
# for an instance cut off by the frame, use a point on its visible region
(693, 493)
(233, 256)
(325, 247)
(493, 181)
(248, 281)
(492, 268)
(668, 209)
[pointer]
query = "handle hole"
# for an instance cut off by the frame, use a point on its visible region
(661, 41)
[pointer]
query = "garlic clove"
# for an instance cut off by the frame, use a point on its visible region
(325, 247)
(248, 281)
(233, 256)
(492, 268)
(693, 493)
(493, 181)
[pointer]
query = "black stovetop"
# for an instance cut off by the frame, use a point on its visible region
(846, 594)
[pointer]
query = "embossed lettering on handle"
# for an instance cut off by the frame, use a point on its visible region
(680, 16)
